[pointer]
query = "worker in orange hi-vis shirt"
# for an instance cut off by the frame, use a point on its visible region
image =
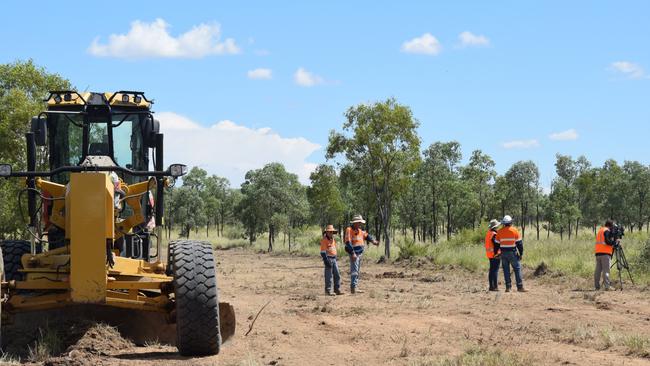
(509, 241)
(493, 255)
(355, 242)
(328, 252)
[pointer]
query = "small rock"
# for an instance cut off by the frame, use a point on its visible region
(285, 332)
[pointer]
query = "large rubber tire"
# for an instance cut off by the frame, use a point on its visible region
(12, 252)
(196, 296)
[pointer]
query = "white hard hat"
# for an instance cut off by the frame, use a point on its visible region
(506, 220)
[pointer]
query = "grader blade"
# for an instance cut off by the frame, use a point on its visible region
(139, 326)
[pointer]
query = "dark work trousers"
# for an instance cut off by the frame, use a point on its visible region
(494, 273)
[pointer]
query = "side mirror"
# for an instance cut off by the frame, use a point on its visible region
(151, 128)
(39, 128)
(5, 170)
(177, 170)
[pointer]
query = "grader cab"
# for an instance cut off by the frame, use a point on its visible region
(94, 188)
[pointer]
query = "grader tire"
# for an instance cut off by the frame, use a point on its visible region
(12, 252)
(196, 296)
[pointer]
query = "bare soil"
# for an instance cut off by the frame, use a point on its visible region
(412, 313)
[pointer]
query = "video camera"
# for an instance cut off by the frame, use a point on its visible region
(618, 232)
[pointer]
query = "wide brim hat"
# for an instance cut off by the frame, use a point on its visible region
(357, 218)
(330, 229)
(494, 223)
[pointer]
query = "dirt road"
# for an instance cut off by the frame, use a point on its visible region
(412, 314)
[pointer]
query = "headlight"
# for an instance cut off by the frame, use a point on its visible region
(5, 170)
(177, 170)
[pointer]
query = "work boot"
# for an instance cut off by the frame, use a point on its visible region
(353, 290)
(338, 292)
(494, 289)
(330, 293)
(508, 288)
(521, 289)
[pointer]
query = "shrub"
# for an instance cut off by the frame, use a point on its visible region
(644, 256)
(469, 236)
(409, 249)
(234, 232)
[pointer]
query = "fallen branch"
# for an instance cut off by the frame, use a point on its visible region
(258, 314)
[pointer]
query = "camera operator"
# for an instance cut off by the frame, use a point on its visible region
(606, 241)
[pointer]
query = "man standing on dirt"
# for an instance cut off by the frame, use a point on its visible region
(355, 239)
(328, 252)
(493, 255)
(605, 244)
(509, 242)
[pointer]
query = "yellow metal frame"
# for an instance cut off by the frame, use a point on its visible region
(78, 273)
(117, 101)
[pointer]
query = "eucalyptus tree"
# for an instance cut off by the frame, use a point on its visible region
(522, 180)
(380, 140)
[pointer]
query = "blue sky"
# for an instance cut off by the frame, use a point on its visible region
(527, 70)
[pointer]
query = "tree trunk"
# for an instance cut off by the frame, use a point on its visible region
(270, 238)
(448, 221)
(569, 231)
(435, 222)
(537, 219)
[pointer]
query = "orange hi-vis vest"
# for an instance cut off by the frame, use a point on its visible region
(328, 247)
(508, 236)
(357, 238)
(601, 244)
(489, 245)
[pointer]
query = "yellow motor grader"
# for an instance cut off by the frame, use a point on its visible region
(94, 217)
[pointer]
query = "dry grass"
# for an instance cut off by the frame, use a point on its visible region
(49, 343)
(477, 356)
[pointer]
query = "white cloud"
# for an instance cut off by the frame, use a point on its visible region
(260, 74)
(230, 150)
(305, 78)
(468, 39)
(568, 135)
(521, 144)
(426, 44)
(148, 40)
(629, 69)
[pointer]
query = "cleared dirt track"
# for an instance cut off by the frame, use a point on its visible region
(410, 314)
